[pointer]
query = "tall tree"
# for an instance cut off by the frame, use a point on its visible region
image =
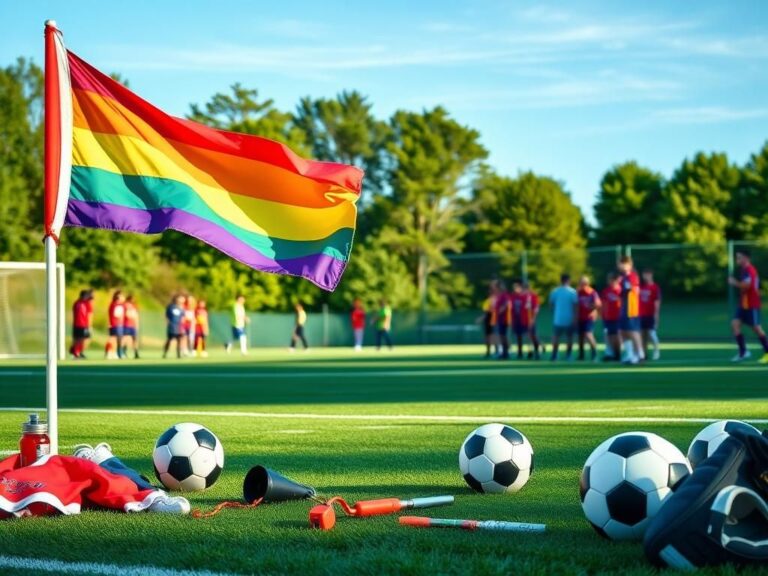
(532, 213)
(21, 161)
(343, 129)
(748, 211)
(693, 211)
(434, 159)
(627, 204)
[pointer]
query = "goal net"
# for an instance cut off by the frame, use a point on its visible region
(22, 310)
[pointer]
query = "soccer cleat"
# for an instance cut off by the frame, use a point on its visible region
(84, 451)
(715, 516)
(742, 357)
(764, 359)
(170, 505)
(656, 354)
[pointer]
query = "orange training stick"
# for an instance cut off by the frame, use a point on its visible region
(377, 507)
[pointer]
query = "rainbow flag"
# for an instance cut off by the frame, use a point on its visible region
(135, 168)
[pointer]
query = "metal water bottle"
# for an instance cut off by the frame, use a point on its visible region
(34, 443)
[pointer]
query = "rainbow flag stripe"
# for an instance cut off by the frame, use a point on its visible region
(137, 169)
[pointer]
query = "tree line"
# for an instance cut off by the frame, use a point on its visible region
(428, 193)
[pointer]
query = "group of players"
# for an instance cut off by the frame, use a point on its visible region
(629, 310)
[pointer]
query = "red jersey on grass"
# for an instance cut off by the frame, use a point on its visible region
(611, 298)
(649, 295)
(131, 315)
(589, 302)
(504, 308)
(750, 296)
(64, 485)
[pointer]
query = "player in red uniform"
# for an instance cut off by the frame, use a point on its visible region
(520, 315)
(748, 311)
(611, 313)
(503, 310)
(357, 317)
(589, 304)
(82, 322)
(650, 306)
(131, 327)
(629, 322)
(532, 307)
(201, 329)
(114, 347)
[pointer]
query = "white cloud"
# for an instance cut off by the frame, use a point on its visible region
(707, 114)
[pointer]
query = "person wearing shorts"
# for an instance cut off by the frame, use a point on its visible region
(564, 302)
(174, 317)
(611, 313)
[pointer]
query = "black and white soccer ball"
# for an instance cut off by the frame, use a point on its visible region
(625, 481)
(496, 458)
(709, 439)
(188, 457)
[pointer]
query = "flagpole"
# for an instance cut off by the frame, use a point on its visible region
(52, 173)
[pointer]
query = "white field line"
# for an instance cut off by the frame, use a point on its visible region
(378, 417)
(38, 565)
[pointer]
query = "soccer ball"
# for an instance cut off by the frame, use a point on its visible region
(496, 458)
(188, 457)
(709, 439)
(626, 479)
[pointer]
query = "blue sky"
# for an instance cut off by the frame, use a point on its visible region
(566, 89)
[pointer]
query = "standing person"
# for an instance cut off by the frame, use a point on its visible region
(503, 314)
(116, 313)
(520, 315)
(589, 304)
(383, 322)
(650, 307)
(300, 320)
(239, 320)
(201, 329)
(190, 305)
(563, 301)
(488, 320)
(82, 323)
(630, 312)
(131, 327)
(358, 323)
(532, 307)
(748, 311)
(611, 313)
(174, 316)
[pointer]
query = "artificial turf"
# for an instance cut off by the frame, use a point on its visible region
(367, 426)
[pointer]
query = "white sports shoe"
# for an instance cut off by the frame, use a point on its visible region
(170, 505)
(656, 354)
(101, 452)
(742, 357)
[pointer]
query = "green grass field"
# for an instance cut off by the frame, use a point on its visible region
(366, 426)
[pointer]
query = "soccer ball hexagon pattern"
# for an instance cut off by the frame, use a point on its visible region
(188, 457)
(496, 458)
(626, 479)
(709, 439)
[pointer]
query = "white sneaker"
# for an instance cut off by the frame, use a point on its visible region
(170, 505)
(656, 354)
(742, 357)
(84, 451)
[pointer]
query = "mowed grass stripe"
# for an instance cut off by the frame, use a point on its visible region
(426, 418)
(41, 565)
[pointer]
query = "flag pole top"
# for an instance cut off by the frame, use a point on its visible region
(50, 23)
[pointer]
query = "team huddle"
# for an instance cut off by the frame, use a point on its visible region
(628, 305)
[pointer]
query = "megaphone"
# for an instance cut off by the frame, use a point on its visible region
(270, 486)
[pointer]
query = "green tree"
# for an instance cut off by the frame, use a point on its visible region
(343, 129)
(694, 211)
(626, 204)
(534, 214)
(21, 161)
(748, 211)
(434, 159)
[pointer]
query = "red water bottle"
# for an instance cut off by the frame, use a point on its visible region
(34, 443)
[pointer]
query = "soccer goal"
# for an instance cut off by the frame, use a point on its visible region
(22, 310)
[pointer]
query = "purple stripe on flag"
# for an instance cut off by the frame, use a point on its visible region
(321, 269)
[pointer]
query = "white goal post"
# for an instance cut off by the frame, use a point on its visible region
(23, 310)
